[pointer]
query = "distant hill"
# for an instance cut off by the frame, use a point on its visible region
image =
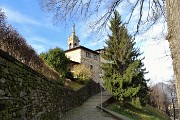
(166, 88)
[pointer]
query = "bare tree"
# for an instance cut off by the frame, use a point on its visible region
(173, 97)
(159, 99)
(173, 20)
(13, 43)
(64, 10)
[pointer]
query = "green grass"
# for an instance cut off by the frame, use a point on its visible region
(73, 85)
(76, 86)
(145, 113)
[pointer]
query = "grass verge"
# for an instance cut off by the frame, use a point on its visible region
(76, 86)
(145, 113)
(73, 85)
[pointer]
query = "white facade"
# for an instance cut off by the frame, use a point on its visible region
(74, 55)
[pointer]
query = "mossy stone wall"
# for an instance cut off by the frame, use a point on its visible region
(26, 94)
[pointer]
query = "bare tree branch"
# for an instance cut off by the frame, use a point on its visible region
(65, 10)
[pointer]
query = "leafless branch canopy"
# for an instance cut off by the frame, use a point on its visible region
(98, 12)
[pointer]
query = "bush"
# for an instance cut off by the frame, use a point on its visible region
(136, 102)
(83, 73)
(69, 75)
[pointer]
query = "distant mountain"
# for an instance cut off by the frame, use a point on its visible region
(163, 87)
(166, 88)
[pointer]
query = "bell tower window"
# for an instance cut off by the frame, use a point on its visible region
(70, 46)
(75, 45)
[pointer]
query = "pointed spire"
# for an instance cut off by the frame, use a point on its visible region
(73, 29)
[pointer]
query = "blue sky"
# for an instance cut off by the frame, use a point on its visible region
(37, 28)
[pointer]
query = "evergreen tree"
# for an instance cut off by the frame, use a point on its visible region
(123, 73)
(143, 94)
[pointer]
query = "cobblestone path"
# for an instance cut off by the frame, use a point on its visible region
(88, 110)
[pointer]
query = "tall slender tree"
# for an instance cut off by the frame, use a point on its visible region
(123, 73)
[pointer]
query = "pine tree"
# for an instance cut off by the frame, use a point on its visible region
(144, 92)
(123, 73)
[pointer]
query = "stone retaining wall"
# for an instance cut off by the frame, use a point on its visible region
(27, 94)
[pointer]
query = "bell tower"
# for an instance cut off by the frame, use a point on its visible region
(73, 40)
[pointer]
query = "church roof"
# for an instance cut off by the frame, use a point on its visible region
(74, 62)
(100, 49)
(84, 48)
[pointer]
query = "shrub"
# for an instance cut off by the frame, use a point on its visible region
(136, 102)
(83, 73)
(69, 75)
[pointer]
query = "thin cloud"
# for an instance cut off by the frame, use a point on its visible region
(39, 48)
(17, 17)
(41, 44)
(156, 52)
(156, 61)
(41, 40)
(99, 43)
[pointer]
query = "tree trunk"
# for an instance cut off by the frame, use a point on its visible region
(173, 19)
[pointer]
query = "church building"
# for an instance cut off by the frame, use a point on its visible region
(81, 55)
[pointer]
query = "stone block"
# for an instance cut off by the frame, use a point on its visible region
(2, 93)
(5, 70)
(2, 80)
(23, 93)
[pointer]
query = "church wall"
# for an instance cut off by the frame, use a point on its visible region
(93, 63)
(74, 55)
